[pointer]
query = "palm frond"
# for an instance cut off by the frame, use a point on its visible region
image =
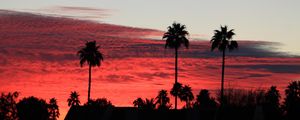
(233, 45)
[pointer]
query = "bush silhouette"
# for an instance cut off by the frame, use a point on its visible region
(32, 108)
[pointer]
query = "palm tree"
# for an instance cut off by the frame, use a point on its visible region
(139, 102)
(175, 91)
(53, 109)
(74, 99)
(175, 36)
(163, 100)
(291, 103)
(92, 56)
(149, 104)
(223, 40)
(204, 100)
(186, 95)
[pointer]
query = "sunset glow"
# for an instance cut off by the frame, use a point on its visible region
(38, 58)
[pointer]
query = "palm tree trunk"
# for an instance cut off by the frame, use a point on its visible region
(176, 72)
(222, 82)
(90, 77)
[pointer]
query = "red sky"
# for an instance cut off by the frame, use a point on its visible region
(38, 57)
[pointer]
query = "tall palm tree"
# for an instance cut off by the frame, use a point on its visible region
(74, 99)
(92, 56)
(163, 100)
(175, 36)
(222, 40)
(186, 95)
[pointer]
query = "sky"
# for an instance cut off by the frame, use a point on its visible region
(39, 41)
(266, 20)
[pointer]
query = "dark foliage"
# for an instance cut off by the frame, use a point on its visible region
(162, 100)
(292, 101)
(204, 101)
(177, 87)
(73, 100)
(32, 108)
(53, 109)
(99, 103)
(271, 106)
(147, 104)
(186, 95)
(8, 110)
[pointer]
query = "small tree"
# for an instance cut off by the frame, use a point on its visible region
(292, 101)
(139, 102)
(271, 105)
(204, 101)
(8, 110)
(175, 91)
(186, 95)
(162, 100)
(147, 104)
(53, 109)
(32, 108)
(74, 99)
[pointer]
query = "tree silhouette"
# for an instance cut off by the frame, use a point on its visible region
(53, 109)
(175, 36)
(74, 99)
(292, 101)
(139, 102)
(204, 100)
(148, 104)
(32, 108)
(162, 100)
(8, 110)
(175, 91)
(222, 40)
(186, 95)
(92, 56)
(99, 103)
(272, 105)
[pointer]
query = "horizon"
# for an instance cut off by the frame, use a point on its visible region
(39, 45)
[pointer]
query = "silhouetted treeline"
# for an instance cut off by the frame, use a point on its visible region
(237, 103)
(28, 108)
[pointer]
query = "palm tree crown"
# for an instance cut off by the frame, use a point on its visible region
(90, 54)
(186, 95)
(74, 99)
(222, 39)
(163, 100)
(176, 35)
